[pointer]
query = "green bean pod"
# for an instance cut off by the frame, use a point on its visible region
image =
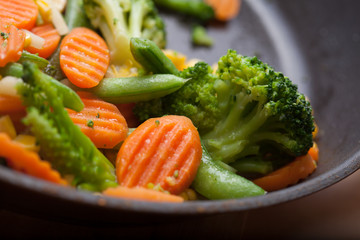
(75, 15)
(151, 57)
(216, 182)
(137, 89)
(12, 69)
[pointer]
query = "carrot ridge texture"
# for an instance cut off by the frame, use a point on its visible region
(290, 174)
(102, 122)
(52, 40)
(26, 161)
(163, 152)
(139, 193)
(11, 43)
(20, 13)
(84, 57)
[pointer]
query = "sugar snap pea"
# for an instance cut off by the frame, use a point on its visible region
(216, 182)
(137, 89)
(151, 57)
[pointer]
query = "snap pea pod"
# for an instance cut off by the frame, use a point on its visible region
(216, 182)
(16, 69)
(75, 15)
(137, 89)
(12, 69)
(42, 63)
(151, 57)
(70, 98)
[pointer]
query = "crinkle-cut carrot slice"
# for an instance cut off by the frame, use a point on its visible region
(164, 152)
(21, 13)
(26, 161)
(288, 175)
(102, 122)
(139, 193)
(84, 57)
(11, 43)
(52, 40)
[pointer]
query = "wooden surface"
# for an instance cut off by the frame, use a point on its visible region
(333, 213)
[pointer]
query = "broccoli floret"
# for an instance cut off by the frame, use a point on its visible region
(119, 20)
(200, 37)
(62, 142)
(197, 99)
(242, 109)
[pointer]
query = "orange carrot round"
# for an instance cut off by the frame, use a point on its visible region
(26, 161)
(290, 174)
(314, 152)
(225, 9)
(84, 57)
(10, 104)
(21, 13)
(139, 193)
(11, 43)
(100, 121)
(52, 39)
(163, 152)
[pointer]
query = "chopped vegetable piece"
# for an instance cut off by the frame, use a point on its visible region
(20, 13)
(156, 150)
(11, 42)
(52, 39)
(28, 142)
(26, 161)
(144, 194)
(200, 37)
(6, 126)
(100, 121)
(290, 174)
(10, 104)
(225, 9)
(178, 59)
(84, 57)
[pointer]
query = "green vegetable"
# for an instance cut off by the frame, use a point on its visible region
(136, 89)
(150, 56)
(252, 165)
(12, 69)
(120, 20)
(242, 110)
(200, 37)
(61, 141)
(75, 15)
(34, 58)
(195, 8)
(215, 182)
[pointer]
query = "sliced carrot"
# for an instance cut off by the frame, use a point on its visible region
(10, 104)
(21, 13)
(139, 193)
(225, 9)
(290, 174)
(84, 57)
(163, 152)
(126, 110)
(102, 122)
(26, 161)
(11, 43)
(52, 39)
(314, 152)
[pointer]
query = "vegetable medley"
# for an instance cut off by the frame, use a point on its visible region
(90, 98)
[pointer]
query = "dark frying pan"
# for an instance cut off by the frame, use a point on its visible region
(315, 43)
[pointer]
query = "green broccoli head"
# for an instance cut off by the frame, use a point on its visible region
(197, 99)
(244, 108)
(120, 20)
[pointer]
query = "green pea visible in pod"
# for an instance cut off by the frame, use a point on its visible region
(215, 182)
(137, 89)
